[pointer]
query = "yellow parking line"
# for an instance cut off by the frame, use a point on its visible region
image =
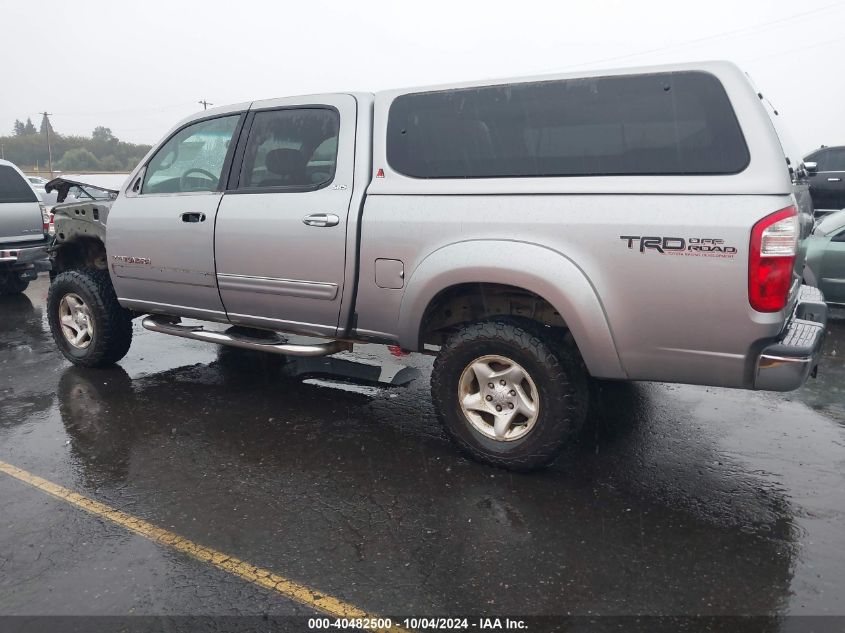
(261, 577)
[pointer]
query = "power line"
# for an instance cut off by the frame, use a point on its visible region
(128, 111)
(835, 40)
(747, 29)
(97, 113)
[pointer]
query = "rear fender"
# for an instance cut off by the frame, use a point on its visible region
(538, 269)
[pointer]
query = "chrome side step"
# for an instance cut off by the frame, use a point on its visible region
(161, 324)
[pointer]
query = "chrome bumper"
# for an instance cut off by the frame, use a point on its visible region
(24, 254)
(787, 363)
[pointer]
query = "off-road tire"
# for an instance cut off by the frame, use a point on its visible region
(554, 365)
(112, 323)
(12, 284)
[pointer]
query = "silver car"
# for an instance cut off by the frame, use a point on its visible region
(23, 231)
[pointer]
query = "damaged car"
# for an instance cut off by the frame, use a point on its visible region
(74, 192)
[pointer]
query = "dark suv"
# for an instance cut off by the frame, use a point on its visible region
(827, 184)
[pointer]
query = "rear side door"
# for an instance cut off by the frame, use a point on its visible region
(160, 242)
(827, 185)
(280, 239)
(20, 213)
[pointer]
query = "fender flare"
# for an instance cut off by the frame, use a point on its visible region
(532, 267)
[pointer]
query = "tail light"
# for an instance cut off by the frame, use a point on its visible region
(45, 217)
(774, 244)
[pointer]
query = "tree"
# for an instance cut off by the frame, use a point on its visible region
(79, 159)
(102, 133)
(45, 125)
(132, 162)
(110, 163)
(30, 149)
(28, 127)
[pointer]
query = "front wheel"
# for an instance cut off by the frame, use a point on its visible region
(510, 393)
(89, 326)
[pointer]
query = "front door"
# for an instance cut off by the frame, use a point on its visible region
(832, 282)
(828, 183)
(281, 228)
(161, 234)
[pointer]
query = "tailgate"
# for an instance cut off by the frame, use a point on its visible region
(21, 222)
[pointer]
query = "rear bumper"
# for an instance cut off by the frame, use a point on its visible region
(787, 363)
(25, 258)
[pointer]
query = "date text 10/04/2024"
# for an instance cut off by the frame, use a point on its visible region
(380, 624)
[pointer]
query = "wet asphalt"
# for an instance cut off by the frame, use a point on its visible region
(675, 500)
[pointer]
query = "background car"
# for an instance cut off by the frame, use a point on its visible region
(37, 181)
(39, 184)
(23, 231)
(825, 263)
(827, 183)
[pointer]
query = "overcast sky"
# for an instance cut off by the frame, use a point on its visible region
(139, 67)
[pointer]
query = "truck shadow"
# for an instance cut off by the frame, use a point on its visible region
(360, 472)
(826, 392)
(20, 321)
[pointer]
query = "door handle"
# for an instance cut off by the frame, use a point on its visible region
(321, 219)
(193, 217)
(834, 180)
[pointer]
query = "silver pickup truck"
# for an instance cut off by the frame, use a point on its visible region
(24, 227)
(638, 224)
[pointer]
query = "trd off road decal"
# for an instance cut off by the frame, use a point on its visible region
(686, 247)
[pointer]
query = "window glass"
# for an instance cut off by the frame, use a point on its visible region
(666, 123)
(832, 160)
(291, 148)
(13, 188)
(192, 160)
(820, 159)
(815, 157)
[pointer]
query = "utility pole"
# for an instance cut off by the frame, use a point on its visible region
(205, 104)
(49, 147)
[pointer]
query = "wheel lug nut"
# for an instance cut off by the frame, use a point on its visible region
(490, 385)
(510, 405)
(498, 407)
(489, 398)
(511, 392)
(502, 382)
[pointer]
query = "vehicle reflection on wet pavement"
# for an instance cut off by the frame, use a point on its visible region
(334, 471)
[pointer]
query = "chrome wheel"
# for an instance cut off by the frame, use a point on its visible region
(75, 319)
(498, 398)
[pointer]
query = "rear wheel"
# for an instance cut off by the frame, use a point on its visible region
(89, 326)
(12, 284)
(509, 392)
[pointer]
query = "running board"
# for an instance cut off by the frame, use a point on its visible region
(197, 332)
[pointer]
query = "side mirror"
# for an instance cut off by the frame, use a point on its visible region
(811, 167)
